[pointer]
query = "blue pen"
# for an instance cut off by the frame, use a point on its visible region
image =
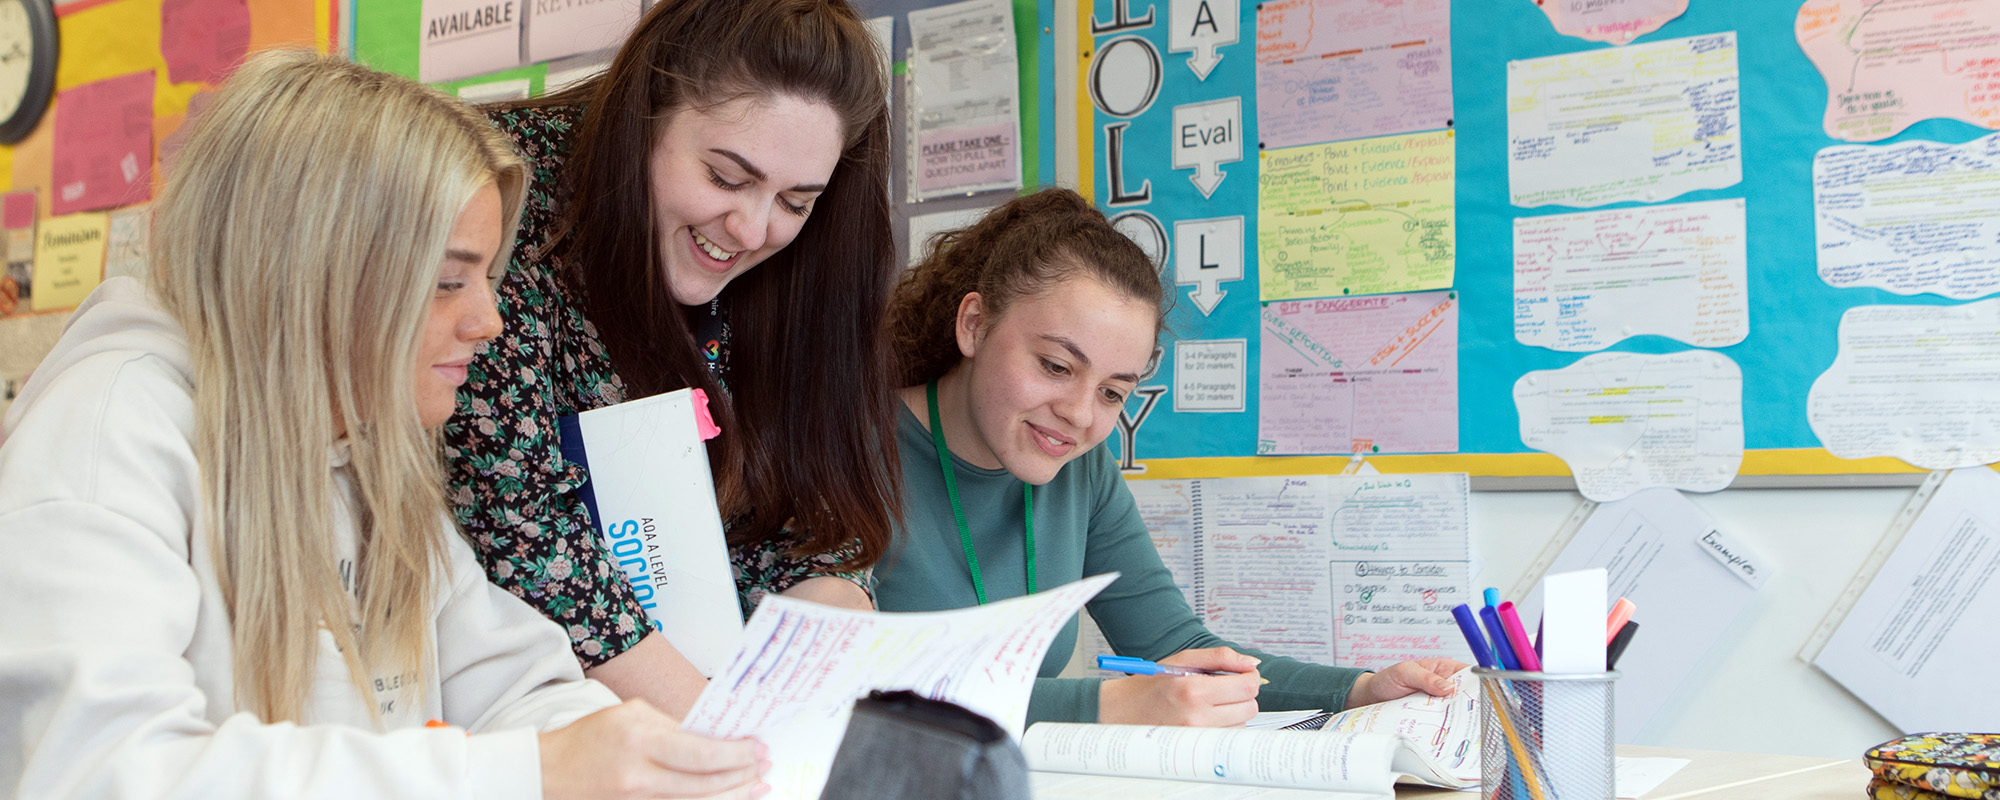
(1492, 597)
(1470, 627)
(1501, 649)
(1140, 666)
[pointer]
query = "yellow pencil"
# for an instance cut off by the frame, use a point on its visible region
(1521, 756)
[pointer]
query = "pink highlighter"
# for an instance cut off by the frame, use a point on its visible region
(1524, 650)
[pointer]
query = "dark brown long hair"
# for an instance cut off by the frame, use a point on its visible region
(808, 426)
(1022, 247)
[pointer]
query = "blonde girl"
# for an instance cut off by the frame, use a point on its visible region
(223, 543)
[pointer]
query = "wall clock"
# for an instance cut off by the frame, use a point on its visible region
(27, 65)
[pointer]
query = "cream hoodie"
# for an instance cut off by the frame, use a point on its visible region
(115, 652)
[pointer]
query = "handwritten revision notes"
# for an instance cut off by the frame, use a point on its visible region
(103, 145)
(1923, 630)
(462, 38)
(1400, 562)
(966, 117)
(1262, 553)
(1890, 63)
(1362, 217)
(1168, 509)
(801, 666)
(129, 241)
(1627, 421)
(1613, 21)
(1585, 281)
(1920, 383)
(1652, 547)
(1359, 375)
(1356, 570)
(1346, 69)
(1648, 123)
(69, 259)
(1910, 217)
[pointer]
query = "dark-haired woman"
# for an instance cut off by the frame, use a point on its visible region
(1020, 338)
(712, 212)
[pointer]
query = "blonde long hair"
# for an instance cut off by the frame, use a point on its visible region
(298, 242)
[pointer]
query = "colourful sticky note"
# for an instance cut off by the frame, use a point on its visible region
(104, 144)
(69, 259)
(1368, 216)
(201, 40)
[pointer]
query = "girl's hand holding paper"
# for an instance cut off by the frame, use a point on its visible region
(1431, 676)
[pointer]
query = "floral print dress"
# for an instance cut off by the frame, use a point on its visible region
(509, 486)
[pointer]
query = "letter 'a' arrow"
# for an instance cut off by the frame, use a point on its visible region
(1204, 60)
(1201, 27)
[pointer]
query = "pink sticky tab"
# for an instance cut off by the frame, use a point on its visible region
(704, 423)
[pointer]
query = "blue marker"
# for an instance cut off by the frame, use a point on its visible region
(1470, 627)
(1501, 649)
(1492, 597)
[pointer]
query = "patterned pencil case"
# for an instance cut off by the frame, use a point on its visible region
(1930, 766)
(1879, 789)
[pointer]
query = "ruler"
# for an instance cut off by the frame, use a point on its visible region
(1898, 528)
(1532, 576)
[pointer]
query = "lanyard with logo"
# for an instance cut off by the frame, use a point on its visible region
(958, 509)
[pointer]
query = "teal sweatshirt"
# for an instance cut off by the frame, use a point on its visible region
(1086, 523)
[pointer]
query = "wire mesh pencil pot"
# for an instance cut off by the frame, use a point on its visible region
(1544, 736)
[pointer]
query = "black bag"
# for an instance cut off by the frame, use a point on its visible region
(902, 745)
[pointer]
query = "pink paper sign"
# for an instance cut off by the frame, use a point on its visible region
(104, 144)
(1368, 375)
(1890, 64)
(17, 210)
(1613, 21)
(1332, 70)
(970, 158)
(202, 40)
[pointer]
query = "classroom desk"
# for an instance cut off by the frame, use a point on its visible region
(1716, 775)
(1709, 775)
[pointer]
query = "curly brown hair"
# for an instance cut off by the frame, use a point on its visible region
(1031, 243)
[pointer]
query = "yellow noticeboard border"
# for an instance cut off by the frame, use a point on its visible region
(1798, 461)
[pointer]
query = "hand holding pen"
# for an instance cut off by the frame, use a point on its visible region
(1140, 666)
(1222, 693)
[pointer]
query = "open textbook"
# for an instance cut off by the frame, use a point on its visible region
(800, 666)
(1420, 738)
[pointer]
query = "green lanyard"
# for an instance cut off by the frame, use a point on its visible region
(958, 509)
